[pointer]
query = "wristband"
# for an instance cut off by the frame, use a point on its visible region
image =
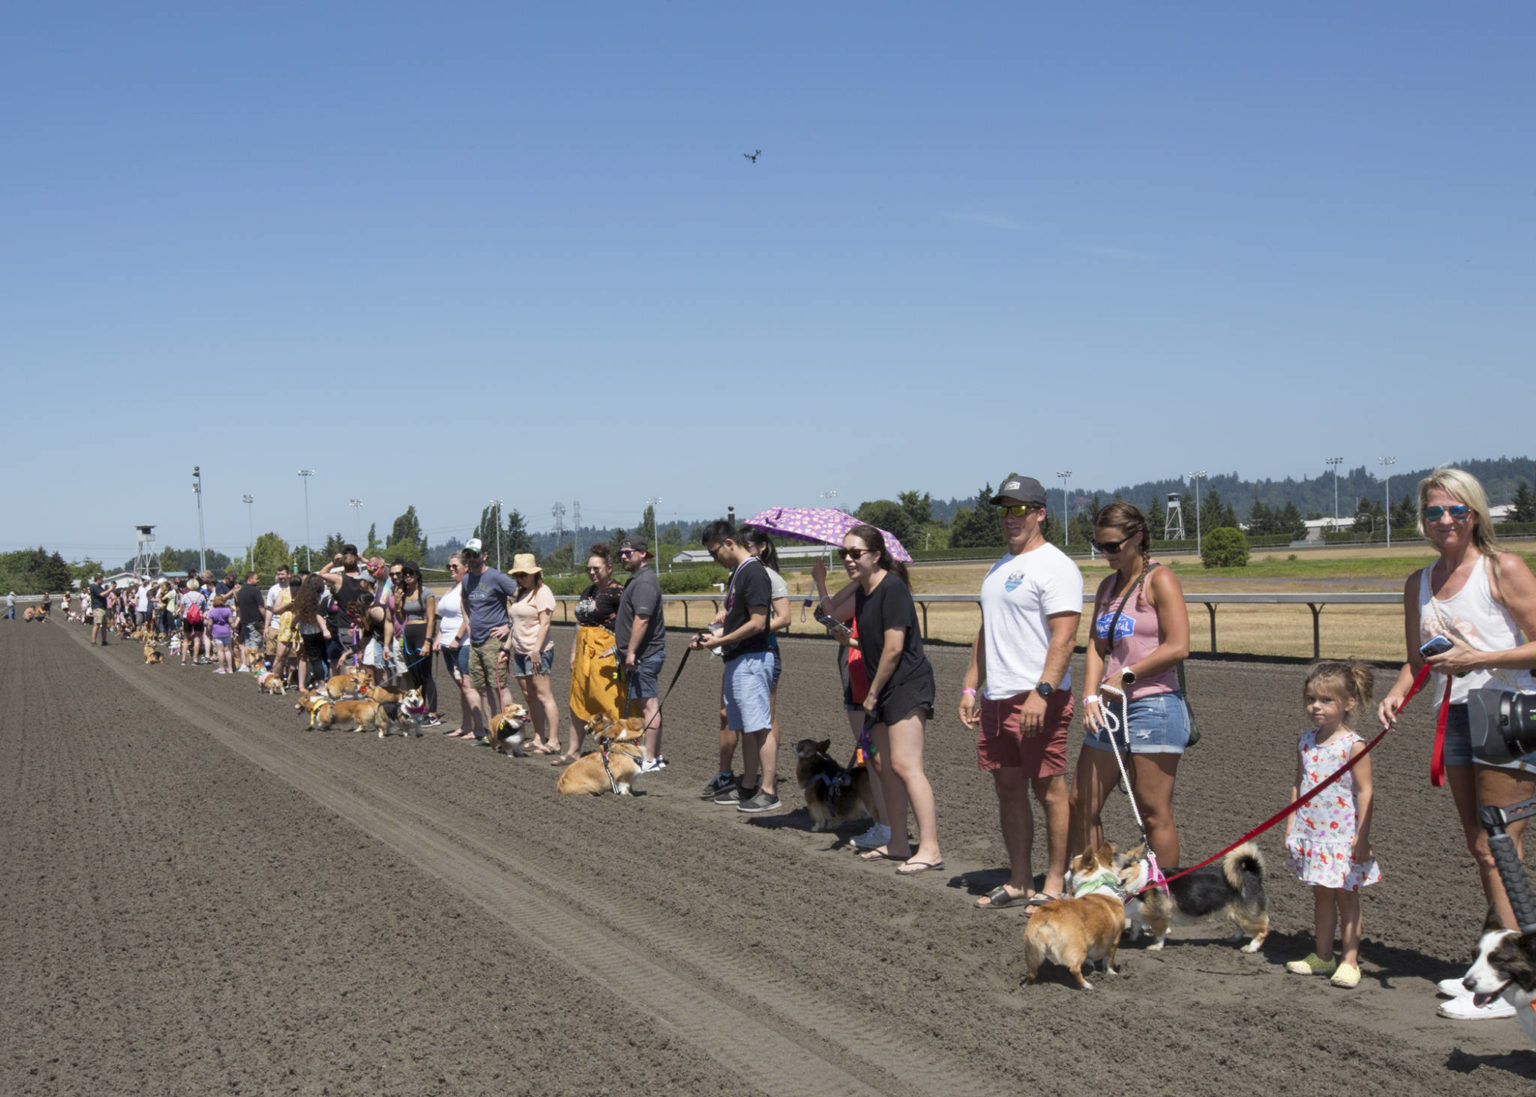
(1090, 698)
(967, 692)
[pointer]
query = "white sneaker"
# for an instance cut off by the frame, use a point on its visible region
(876, 836)
(1465, 1009)
(242, 670)
(655, 765)
(1452, 988)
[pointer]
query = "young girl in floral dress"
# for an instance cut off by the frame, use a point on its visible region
(1328, 842)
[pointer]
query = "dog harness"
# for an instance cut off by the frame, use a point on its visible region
(1100, 883)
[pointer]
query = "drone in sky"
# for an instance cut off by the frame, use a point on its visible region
(752, 156)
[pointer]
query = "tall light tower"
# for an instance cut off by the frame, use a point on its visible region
(1195, 478)
(653, 502)
(197, 489)
(497, 505)
(357, 513)
(1335, 462)
(1386, 463)
(250, 529)
(558, 510)
(1066, 519)
(305, 474)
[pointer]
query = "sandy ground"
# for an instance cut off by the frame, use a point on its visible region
(204, 897)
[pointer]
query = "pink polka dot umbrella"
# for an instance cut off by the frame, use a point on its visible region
(821, 525)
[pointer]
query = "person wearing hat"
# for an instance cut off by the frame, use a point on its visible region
(485, 593)
(532, 651)
(1017, 691)
(640, 636)
(10, 606)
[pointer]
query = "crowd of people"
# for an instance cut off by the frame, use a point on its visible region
(1477, 602)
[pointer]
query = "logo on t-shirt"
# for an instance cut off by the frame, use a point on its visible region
(1124, 627)
(1013, 582)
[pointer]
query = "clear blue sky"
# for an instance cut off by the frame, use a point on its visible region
(444, 253)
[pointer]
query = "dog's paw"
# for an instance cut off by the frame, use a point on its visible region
(1157, 946)
(1253, 945)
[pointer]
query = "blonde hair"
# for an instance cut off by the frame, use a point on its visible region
(1464, 488)
(1350, 678)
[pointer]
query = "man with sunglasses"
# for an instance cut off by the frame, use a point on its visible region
(485, 595)
(1018, 688)
(640, 638)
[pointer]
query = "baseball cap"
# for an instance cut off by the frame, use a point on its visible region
(637, 544)
(473, 545)
(1019, 489)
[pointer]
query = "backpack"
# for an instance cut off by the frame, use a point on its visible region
(194, 614)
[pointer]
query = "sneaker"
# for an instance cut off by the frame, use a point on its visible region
(734, 795)
(1466, 1008)
(762, 801)
(876, 836)
(1452, 988)
(242, 670)
(1311, 965)
(718, 784)
(432, 722)
(1347, 976)
(655, 765)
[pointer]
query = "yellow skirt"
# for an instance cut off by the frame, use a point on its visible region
(594, 676)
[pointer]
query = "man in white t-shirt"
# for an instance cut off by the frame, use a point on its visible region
(276, 593)
(1018, 688)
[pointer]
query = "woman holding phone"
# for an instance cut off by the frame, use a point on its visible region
(1482, 601)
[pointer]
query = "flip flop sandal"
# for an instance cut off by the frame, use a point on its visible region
(879, 855)
(912, 868)
(1000, 897)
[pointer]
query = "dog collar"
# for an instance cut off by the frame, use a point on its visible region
(1099, 882)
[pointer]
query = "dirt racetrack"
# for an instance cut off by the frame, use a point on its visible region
(202, 897)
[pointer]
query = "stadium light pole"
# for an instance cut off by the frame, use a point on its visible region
(654, 502)
(1386, 463)
(497, 503)
(305, 474)
(250, 530)
(1066, 519)
(357, 512)
(1335, 462)
(1195, 478)
(197, 489)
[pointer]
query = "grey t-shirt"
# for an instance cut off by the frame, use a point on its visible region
(485, 601)
(642, 597)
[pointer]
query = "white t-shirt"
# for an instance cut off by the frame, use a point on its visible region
(450, 607)
(275, 594)
(1018, 596)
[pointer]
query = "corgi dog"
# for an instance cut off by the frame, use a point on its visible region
(1083, 929)
(152, 654)
(310, 702)
(619, 740)
(833, 794)
(1234, 888)
(357, 714)
(350, 684)
(507, 731)
(272, 684)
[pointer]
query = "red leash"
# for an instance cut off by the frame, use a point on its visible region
(1437, 775)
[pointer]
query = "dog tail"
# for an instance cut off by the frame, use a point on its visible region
(1243, 862)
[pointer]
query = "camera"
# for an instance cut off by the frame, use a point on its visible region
(1502, 723)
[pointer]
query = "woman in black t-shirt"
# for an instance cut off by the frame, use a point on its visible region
(900, 697)
(594, 664)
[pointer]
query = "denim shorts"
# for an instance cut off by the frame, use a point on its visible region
(522, 665)
(748, 688)
(1159, 725)
(1458, 744)
(645, 679)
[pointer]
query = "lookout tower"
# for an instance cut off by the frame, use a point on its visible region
(142, 563)
(1173, 525)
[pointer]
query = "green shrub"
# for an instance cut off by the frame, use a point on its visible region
(1225, 548)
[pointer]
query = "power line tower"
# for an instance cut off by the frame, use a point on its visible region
(558, 510)
(575, 532)
(1173, 525)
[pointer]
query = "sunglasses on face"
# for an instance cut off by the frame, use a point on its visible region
(589, 568)
(853, 554)
(1108, 547)
(1017, 511)
(1458, 512)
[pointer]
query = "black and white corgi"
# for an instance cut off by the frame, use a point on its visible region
(1234, 888)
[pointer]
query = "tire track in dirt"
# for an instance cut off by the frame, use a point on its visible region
(760, 1026)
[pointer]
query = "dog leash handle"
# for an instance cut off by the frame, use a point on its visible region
(1512, 872)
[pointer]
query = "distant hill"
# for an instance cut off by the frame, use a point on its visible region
(1312, 495)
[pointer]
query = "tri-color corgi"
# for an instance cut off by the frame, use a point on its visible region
(1234, 889)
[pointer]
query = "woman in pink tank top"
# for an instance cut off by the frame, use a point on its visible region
(1138, 636)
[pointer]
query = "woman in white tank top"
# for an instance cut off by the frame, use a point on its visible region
(1483, 600)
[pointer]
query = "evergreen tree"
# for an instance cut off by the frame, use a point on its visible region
(1156, 519)
(373, 546)
(889, 516)
(919, 508)
(1261, 520)
(405, 539)
(977, 526)
(1289, 521)
(1405, 513)
(1524, 504)
(514, 538)
(334, 543)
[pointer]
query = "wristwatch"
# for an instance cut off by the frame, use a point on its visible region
(1045, 689)
(1127, 677)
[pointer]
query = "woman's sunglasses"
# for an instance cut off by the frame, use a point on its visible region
(852, 554)
(1458, 512)
(1108, 547)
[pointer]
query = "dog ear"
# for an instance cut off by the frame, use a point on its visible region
(823, 746)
